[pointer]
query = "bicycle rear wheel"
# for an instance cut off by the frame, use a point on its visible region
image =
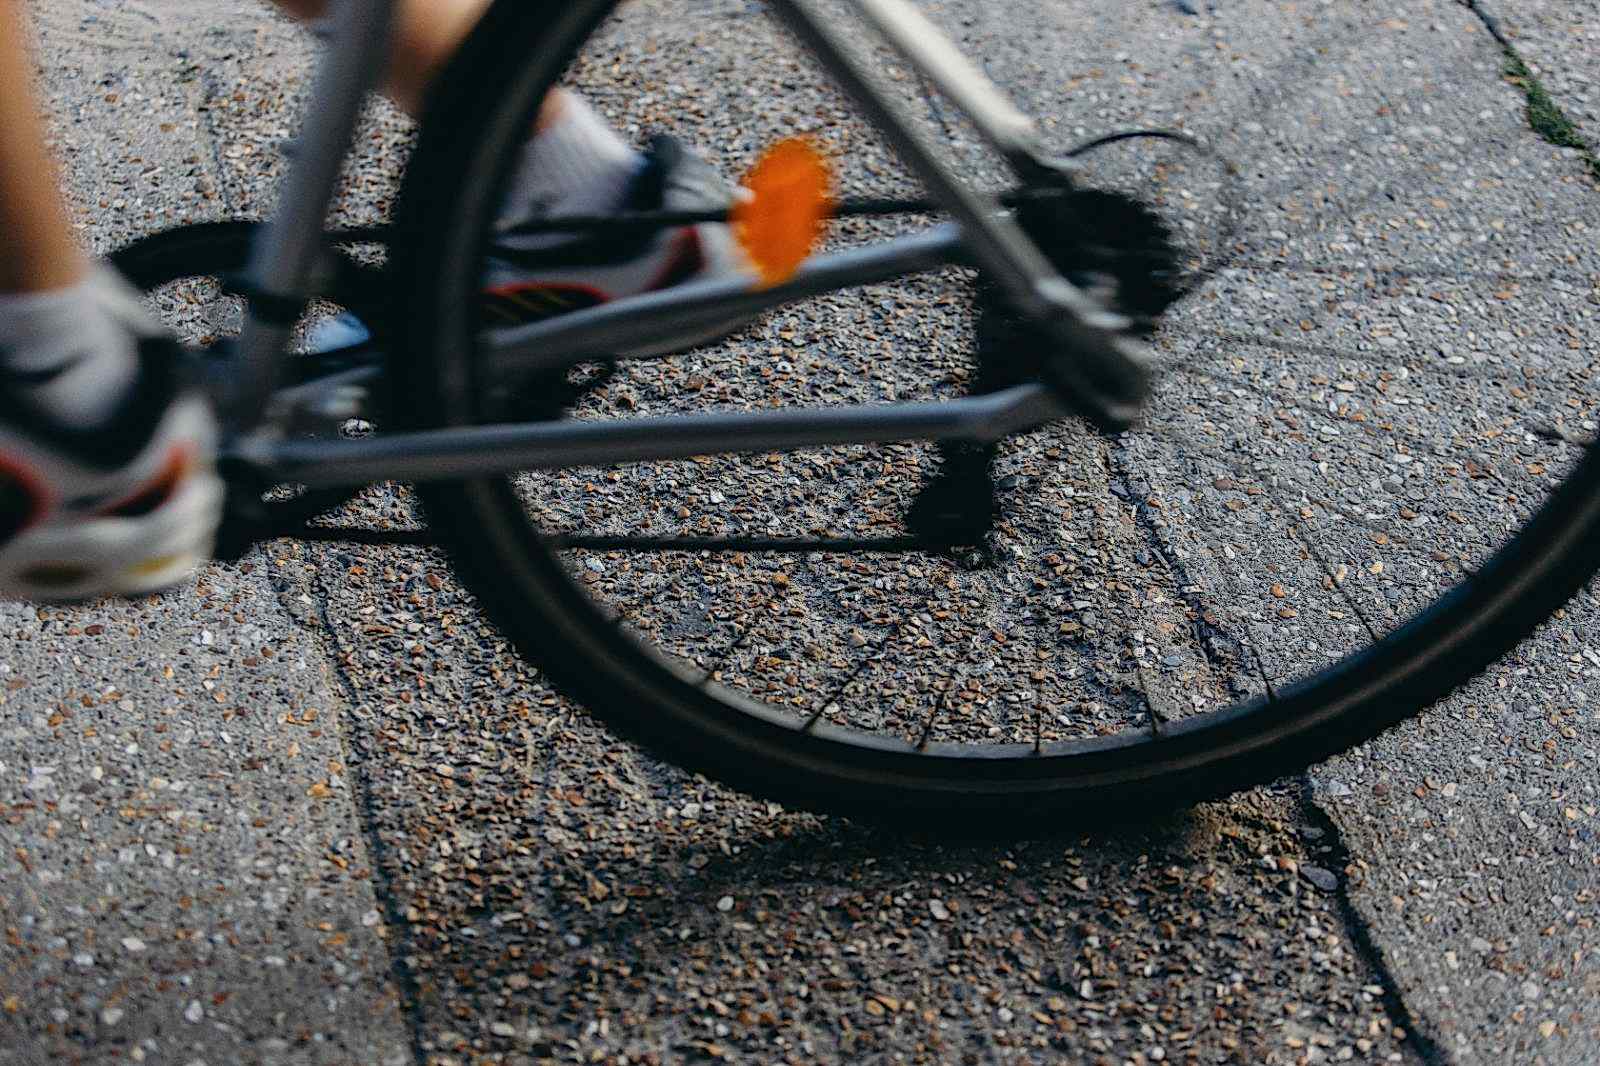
(1362, 479)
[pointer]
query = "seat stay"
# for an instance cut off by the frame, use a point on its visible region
(1106, 372)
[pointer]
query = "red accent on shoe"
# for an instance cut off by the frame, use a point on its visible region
(179, 464)
(40, 499)
(510, 301)
(687, 260)
(514, 287)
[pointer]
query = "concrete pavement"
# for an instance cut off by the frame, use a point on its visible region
(312, 810)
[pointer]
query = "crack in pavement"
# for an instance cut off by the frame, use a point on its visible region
(1547, 120)
(1545, 116)
(1356, 928)
(1360, 933)
(315, 622)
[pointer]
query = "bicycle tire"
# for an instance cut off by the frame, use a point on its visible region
(472, 128)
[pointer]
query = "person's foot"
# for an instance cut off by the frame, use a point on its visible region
(532, 274)
(528, 277)
(116, 498)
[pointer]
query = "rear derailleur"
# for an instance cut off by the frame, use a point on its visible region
(1107, 244)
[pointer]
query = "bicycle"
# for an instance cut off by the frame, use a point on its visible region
(730, 671)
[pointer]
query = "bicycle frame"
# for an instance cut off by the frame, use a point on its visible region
(1103, 374)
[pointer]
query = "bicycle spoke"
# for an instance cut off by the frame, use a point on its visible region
(1336, 580)
(1238, 467)
(1321, 416)
(933, 714)
(831, 700)
(1298, 521)
(1354, 516)
(1326, 351)
(779, 545)
(411, 538)
(1398, 272)
(726, 655)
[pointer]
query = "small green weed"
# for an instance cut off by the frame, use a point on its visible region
(1545, 116)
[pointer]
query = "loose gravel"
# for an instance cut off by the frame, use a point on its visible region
(1389, 372)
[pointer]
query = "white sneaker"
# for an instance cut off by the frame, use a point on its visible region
(528, 278)
(125, 508)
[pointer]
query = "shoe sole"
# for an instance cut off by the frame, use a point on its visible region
(118, 556)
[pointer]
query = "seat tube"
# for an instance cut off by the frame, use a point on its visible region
(287, 253)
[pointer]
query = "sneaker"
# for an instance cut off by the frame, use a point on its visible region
(128, 507)
(528, 278)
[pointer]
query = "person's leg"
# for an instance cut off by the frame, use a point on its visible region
(427, 34)
(38, 251)
(42, 271)
(574, 164)
(106, 480)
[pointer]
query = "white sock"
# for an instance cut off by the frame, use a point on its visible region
(577, 166)
(66, 352)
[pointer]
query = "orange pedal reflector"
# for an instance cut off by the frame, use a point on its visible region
(781, 220)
